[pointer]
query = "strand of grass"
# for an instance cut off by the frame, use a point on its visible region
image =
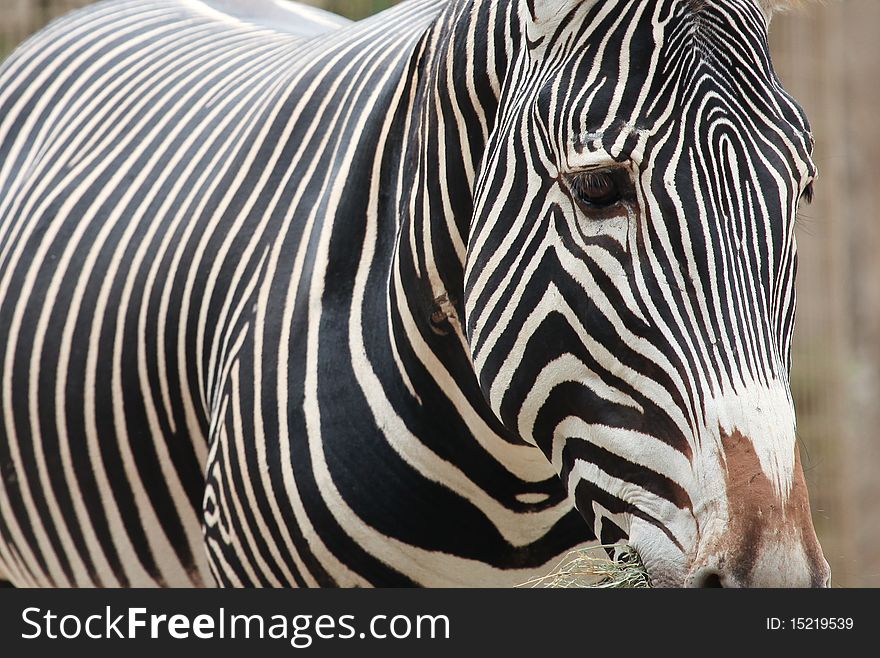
(580, 568)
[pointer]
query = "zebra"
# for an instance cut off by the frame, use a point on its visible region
(428, 299)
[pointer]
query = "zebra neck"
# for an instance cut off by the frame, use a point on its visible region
(458, 69)
(457, 72)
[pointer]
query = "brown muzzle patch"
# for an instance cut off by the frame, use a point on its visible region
(760, 522)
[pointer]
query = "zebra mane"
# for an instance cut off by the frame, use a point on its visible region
(772, 6)
(769, 6)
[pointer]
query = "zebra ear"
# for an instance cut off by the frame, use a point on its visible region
(542, 17)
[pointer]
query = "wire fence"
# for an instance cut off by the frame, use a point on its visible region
(824, 56)
(827, 57)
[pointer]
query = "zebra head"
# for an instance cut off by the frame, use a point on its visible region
(629, 285)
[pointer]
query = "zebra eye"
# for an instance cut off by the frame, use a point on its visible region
(595, 189)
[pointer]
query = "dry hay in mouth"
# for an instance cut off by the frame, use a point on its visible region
(591, 567)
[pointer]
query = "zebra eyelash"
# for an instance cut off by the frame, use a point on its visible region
(808, 193)
(801, 218)
(583, 187)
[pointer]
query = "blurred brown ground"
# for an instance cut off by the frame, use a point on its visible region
(828, 56)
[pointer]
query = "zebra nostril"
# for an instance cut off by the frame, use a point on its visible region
(706, 577)
(712, 580)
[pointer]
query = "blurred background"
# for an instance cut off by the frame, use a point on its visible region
(828, 56)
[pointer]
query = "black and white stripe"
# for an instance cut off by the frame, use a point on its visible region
(286, 300)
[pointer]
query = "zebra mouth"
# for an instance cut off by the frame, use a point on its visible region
(626, 570)
(610, 566)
